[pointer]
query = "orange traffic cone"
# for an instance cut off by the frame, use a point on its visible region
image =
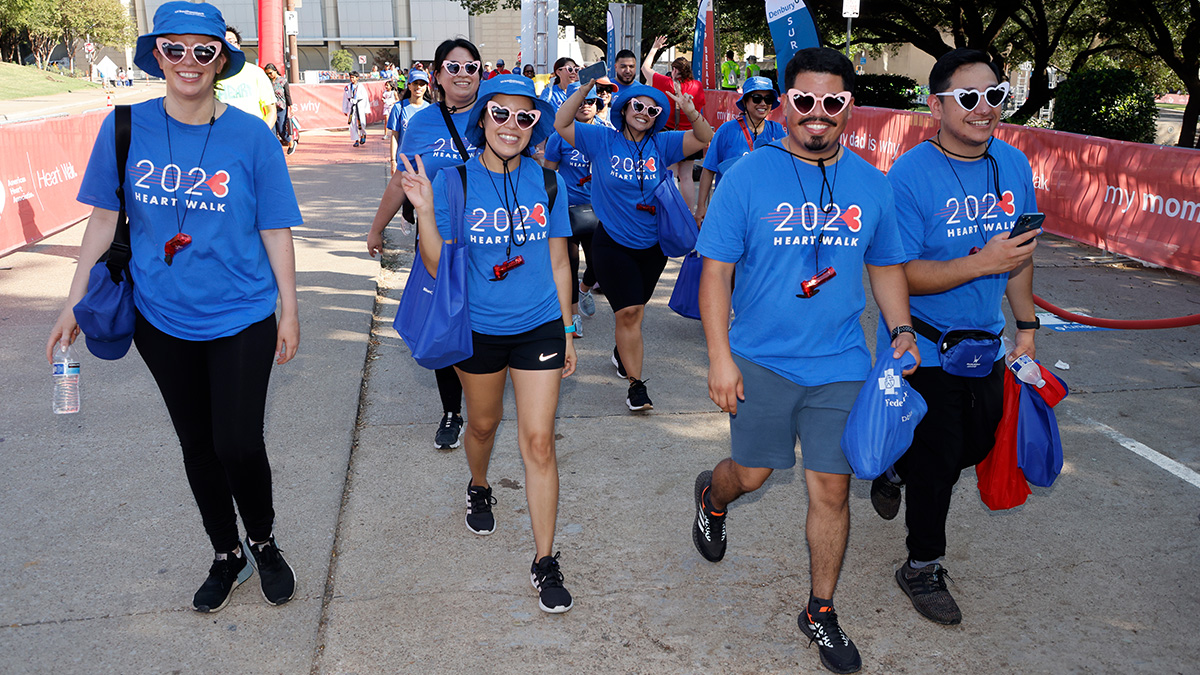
(109, 104)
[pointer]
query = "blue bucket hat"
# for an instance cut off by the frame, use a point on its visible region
(592, 93)
(106, 314)
(511, 85)
(186, 18)
(617, 118)
(753, 84)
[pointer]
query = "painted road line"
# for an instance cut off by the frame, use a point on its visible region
(1149, 453)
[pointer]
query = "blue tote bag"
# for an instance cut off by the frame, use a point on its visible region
(1039, 447)
(885, 414)
(685, 299)
(677, 229)
(433, 318)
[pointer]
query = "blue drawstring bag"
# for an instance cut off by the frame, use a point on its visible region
(677, 229)
(885, 414)
(433, 318)
(1039, 448)
(685, 299)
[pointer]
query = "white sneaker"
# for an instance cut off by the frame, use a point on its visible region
(578, 322)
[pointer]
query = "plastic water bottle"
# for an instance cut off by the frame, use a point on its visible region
(66, 381)
(1027, 370)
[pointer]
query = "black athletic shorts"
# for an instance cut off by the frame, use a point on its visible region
(627, 275)
(542, 348)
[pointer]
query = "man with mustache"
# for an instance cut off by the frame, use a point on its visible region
(801, 213)
(957, 196)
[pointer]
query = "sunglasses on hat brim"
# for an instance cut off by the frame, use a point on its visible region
(968, 99)
(204, 53)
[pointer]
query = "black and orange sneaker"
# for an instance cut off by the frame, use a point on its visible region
(838, 652)
(708, 528)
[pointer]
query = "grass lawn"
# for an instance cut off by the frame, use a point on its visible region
(22, 81)
(1171, 106)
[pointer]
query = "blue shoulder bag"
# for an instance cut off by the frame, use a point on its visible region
(433, 318)
(677, 229)
(884, 416)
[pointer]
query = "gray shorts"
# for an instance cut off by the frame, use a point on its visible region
(777, 411)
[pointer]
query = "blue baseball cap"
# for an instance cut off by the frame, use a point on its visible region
(106, 314)
(757, 83)
(415, 75)
(186, 18)
(511, 85)
(623, 97)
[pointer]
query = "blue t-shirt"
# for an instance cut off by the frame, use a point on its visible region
(398, 119)
(625, 175)
(733, 140)
(552, 93)
(426, 135)
(527, 298)
(762, 220)
(221, 282)
(574, 167)
(945, 207)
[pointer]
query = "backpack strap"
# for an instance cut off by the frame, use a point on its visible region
(119, 253)
(549, 178)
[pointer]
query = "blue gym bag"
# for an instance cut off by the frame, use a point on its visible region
(685, 299)
(677, 229)
(885, 414)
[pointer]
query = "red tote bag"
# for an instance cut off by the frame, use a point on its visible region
(1002, 485)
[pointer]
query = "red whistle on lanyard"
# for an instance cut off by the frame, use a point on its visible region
(648, 208)
(809, 288)
(175, 245)
(501, 271)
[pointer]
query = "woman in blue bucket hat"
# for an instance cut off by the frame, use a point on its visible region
(629, 161)
(210, 207)
(751, 130)
(519, 299)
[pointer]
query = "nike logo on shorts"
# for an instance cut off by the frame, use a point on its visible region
(546, 357)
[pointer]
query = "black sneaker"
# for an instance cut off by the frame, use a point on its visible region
(708, 529)
(548, 580)
(616, 361)
(885, 497)
(926, 587)
(479, 510)
(228, 571)
(277, 577)
(449, 431)
(638, 399)
(838, 652)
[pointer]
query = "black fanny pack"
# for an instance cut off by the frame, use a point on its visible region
(962, 350)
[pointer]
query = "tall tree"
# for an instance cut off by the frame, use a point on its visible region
(42, 29)
(103, 21)
(1168, 30)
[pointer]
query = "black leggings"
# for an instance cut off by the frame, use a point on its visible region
(450, 389)
(216, 394)
(583, 226)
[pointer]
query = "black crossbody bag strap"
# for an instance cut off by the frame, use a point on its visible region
(927, 331)
(462, 149)
(119, 253)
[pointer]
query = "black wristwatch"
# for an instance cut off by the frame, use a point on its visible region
(903, 329)
(1029, 325)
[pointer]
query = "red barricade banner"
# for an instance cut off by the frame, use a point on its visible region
(1135, 199)
(41, 166)
(319, 106)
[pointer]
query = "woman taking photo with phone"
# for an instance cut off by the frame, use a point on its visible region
(629, 162)
(519, 299)
(207, 184)
(437, 135)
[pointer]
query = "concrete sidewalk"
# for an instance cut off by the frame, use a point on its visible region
(102, 546)
(73, 102)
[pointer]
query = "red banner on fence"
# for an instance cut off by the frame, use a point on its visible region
(41, 164)
(1138, 200)
(319, 106)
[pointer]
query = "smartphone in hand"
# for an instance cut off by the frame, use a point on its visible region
(593, 72)
(1026, 222)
